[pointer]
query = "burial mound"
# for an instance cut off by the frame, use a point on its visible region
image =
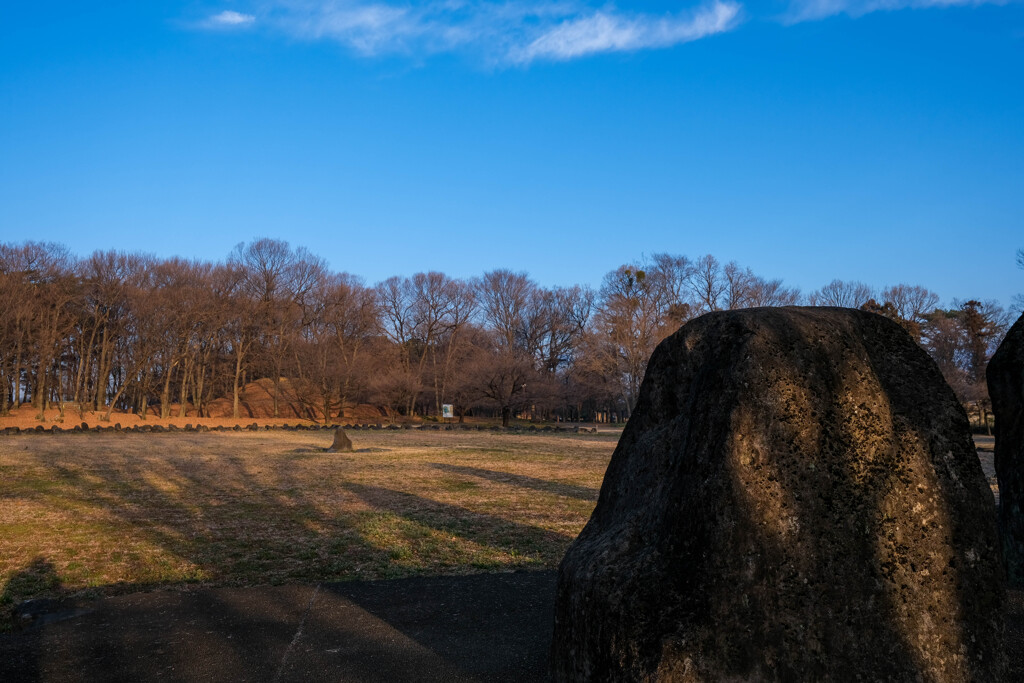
(795, 497)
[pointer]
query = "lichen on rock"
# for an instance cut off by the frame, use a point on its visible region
(795, 497)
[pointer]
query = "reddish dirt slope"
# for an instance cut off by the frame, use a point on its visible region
(256, 405)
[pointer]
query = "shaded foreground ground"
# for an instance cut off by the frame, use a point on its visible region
(491, 627)
(217, 517)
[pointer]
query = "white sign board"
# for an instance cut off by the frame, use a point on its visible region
(447, 410)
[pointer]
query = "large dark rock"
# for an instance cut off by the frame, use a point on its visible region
(796, 497)
(341, 444)
(1006, 388)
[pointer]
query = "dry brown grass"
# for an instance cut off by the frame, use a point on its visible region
(112, 512)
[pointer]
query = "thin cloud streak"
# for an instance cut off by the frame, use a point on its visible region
(813, 10)
(516, 32)
(603, 32)
(519, 32)
(229, 19)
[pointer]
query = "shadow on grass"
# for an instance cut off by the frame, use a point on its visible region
(483, 529)
(39, 576)
(224, 521)
(236, 526)
(558, 488)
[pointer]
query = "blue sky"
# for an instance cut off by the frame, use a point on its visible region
(879, 140)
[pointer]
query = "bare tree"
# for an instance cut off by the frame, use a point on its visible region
(566, 313)
(706, 284)
(631, 320)
(502, 377)
(16, 315)
(122, 331)
(673, 275)
(504, 298)
(908, 305)
(417, 313)
(275, 279)
(450, 305)
(240, 320)
(772, 293)
(961, 340)
(339, 322)
(47, 273)
(842, 294)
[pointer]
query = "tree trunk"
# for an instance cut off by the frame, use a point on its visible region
(165, 395)
(16, 380)
(238, 373)
(114, 400)
(277, 390)
(103, 374)
(5, 403)
(506, 413)
(197, 391)
(186, 375)
(83, 362)
(41, 391)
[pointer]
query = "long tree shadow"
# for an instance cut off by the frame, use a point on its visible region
(492, 627)
(523, 481)
(480, 528)
(39, 576)
(209, 634)
(205, 510)
(231, 525)
(228, 524)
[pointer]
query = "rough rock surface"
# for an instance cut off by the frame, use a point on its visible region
(1006, 388)
(341, 444)
(796, 497)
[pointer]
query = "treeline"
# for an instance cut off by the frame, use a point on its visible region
(117, 331)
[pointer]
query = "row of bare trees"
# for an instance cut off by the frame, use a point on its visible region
(115, 331)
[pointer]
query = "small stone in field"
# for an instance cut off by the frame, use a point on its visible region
(342, 444)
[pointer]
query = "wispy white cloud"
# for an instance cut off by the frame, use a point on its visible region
(523, 31)
(811, 10)
(228, 19)
(515, 31)
(608, 32)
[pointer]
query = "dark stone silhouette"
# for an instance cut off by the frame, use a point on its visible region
(1006, 388)
(342, 444)
(796, 497)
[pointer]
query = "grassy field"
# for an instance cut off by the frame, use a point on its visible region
(116, 512)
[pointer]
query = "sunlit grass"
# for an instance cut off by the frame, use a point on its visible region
(116, 512)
